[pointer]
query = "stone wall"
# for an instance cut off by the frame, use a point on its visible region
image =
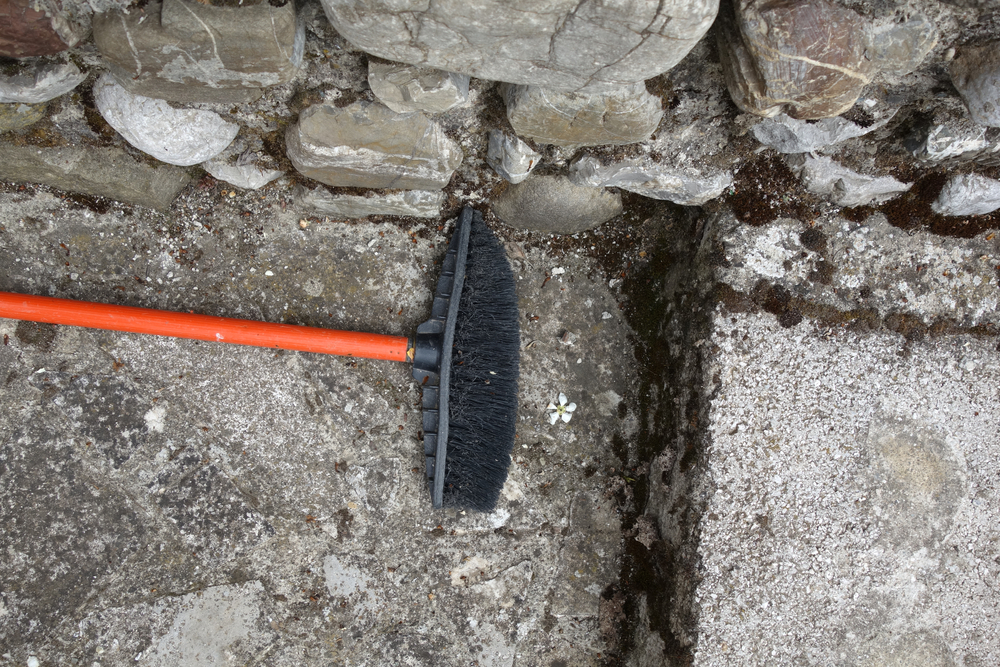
(854, 101)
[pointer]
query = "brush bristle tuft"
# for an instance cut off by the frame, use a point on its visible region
(484, 373)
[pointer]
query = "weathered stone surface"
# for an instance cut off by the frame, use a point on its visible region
(789, 135)
(968, 194)
(875, 439)
(249, 175)
(953, 138)
(900, 48)
(19, 116)
(845, 187)
(411, 203)
(40, 83)
(34, 29)
(687, 186)
(405, 88)
(104, 172)
(555, 204)
(562, 45)
(182, 137)
(976, 75)
(835, 261)
(511, 157)
(804, 58)
(186, 51)
(367, 145)
(202, 504)
(624, 116)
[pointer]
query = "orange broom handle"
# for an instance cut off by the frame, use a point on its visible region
(203, 327)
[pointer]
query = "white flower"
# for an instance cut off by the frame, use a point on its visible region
(562, 411)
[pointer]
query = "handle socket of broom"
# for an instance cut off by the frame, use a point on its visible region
(203, 327)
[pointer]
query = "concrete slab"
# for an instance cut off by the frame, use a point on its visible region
(178, 502)
(831, 496)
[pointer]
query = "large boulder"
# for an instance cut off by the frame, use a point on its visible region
(32, 28)
(185, 51)
(563, 45)
(806, 58)
(366, 145)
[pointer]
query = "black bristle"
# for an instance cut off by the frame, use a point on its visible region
(484, 372)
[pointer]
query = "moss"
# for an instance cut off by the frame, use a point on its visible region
(766, 189)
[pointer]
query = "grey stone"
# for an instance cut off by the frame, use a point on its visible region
(249, 176)
(186, 51)
(686, 186)
(104, 172)
(40, 28)
(968, 194)
(950, 139)
(835, 259)
(623, 116)
(789, 135)
(555, 204)
(20, 116)
(563, 45)
(822, 175)
(40, 83)
(900, 48)
(871, 442)
(367, 145)
(183, 137)
(807, 59)
(405, 88)
(976, 75)
(511, 157)
(195, 504)
(410, 203)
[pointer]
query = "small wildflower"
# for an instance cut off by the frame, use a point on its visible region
(562, 411)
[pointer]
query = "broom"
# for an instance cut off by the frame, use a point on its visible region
(465, 357)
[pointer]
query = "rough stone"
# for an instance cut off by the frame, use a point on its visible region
(183, 137)
(900, 48)
(869, 265)
(36, 29)
(687, 186)
(822, 175)
(40, 83)
(20, 116)
(806, 59)
(625, 116)
(405, 88)
(562, 45)
(555, 204)
(367, 145)
(872, 443)
(949, 139)
(194, 503)
(249, 175)
(186, 51)
(410, 203)
(789, 135)
(968, 194)
(976, 75)
(104, 172)
(511, 157)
